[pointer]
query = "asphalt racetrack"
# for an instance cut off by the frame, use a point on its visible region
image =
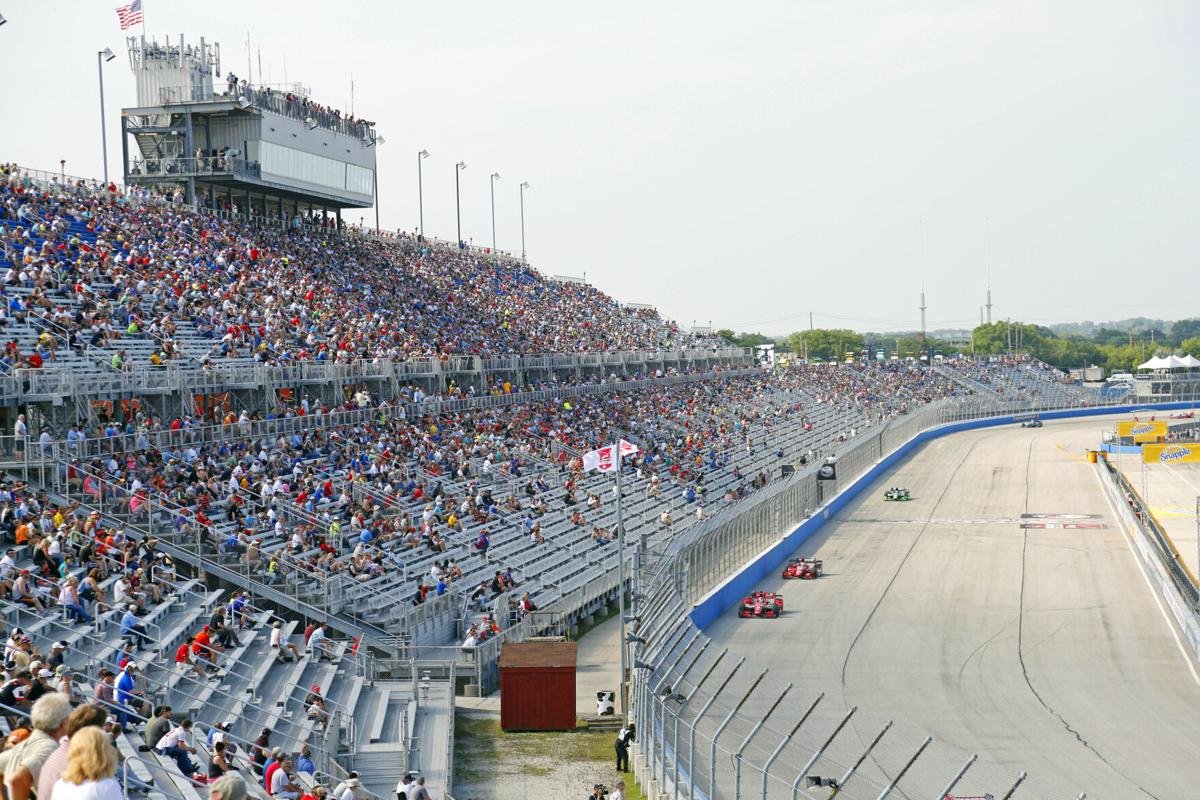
(1042, 649)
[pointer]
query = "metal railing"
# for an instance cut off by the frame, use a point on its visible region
(182, 166)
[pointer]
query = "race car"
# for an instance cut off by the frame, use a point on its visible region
(896, 493)
(1183, 415)
(1031, 423)
(803, 568)
(761, 604)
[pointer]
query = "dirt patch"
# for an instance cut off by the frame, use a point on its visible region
(492, 765)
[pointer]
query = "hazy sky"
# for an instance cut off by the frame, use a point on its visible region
(743, 163)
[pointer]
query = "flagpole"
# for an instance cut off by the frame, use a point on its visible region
(621, 588)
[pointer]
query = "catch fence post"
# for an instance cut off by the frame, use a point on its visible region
(692, 739)
(842, 781)
(1012, 790)
(737, 756)
(904, 769)
(813, 759)
(766, 768)
(958, 776)
(712, 758)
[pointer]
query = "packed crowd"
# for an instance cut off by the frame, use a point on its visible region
(357, 499)
(101, 263)
(887, 388)
(299, 107)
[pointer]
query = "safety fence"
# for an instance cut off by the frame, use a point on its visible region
(714, 726)
(1138, 515)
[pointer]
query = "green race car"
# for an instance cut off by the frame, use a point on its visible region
(897, 494)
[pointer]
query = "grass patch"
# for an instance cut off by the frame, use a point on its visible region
(597, 619)
(482, 751)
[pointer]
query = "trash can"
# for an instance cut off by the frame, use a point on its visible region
(606, 705)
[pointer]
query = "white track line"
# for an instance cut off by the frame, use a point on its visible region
(1141, 571)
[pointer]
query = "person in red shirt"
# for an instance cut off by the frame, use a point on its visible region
(203, 647)
(184, 661)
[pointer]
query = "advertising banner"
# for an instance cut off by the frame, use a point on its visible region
(1171, 453)
(1142, 431)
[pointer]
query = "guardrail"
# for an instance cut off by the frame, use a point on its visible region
(678, 677)
(1139, 516)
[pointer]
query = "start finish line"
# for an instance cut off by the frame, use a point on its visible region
(1027, 521)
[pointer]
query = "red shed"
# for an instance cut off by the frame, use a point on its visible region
(537, 686)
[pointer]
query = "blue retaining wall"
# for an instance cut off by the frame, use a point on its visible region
(770, 562)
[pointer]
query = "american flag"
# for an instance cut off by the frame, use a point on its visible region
(130, 15)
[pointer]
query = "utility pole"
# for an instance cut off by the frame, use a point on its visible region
(988, 260)
(922, 306)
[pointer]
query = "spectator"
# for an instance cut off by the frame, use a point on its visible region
(284, 650)
(304, 761)
(260, 750)
(185, 662)
(218, 764)
(282, 784)
(227, 787)
(132, 629)
(84, 716)
(176, 744)
(91, 765)
(419, 792)
(157, 726)
(22, 765)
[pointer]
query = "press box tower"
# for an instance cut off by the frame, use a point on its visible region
(266, 151)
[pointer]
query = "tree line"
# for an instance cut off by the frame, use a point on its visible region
(1115, 350)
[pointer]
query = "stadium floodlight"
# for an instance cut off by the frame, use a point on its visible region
(495, 176)
(380, 140)
(103, 56)
(634, 639)
(2, 19)
(421, 156)
(459, 167)
(524, 186)
(310, 123)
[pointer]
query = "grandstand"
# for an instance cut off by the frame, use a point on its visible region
(362, 450)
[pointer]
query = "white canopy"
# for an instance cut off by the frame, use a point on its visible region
(1190, 361)
(1169, 362)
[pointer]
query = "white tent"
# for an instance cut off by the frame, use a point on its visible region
(1190, 362)
(1156, 363)
(1169, 362)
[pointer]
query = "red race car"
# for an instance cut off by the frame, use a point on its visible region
(761, 604)
(804, 569)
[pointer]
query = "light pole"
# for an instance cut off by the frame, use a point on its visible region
(101, 56)
(524, 186)
(495, 176)
(459, 167)
(421, 156)
(378, 140)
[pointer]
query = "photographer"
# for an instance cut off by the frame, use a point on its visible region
(624, 737)
(602, 792)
